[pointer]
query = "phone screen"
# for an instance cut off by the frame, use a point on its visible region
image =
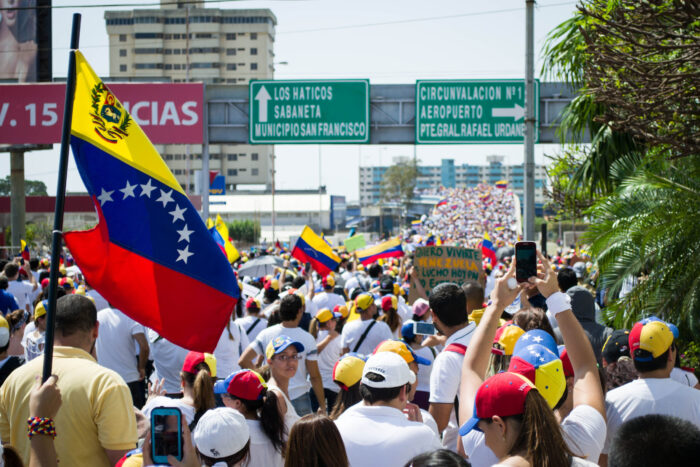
(425, 329)
(166, 435)
(526, 261)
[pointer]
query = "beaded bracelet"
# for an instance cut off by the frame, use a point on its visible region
(40, 426)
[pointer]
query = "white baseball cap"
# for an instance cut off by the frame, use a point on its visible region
(221, 432)
(392, 367)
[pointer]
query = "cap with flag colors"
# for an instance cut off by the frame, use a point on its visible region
(649, 339)
(148, 230)
(502, 394)
(347, 371)
(24, 250)
(193, 359)
(310, 248)
(544, 368)
(244, 384)
(389, 249)
(279, 344)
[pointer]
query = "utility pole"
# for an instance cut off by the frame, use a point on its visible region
(274, 238)
(187, 80)
(17, 196)
(529, 208)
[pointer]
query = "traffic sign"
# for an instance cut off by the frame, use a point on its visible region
(472, 111)
(309, 111)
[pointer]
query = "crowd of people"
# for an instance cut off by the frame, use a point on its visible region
(464, 215)
(341, 370)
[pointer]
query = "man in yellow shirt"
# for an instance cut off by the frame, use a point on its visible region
(95, 425)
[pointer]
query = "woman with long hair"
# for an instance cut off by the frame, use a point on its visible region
(347, 374)
(415, 341)
(315, 442)
(390, 316)
(283, 357)
(246, 391)
(323, 328)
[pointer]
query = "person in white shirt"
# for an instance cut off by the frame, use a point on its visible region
(448, 305)
(291, 313)
(100, 301)
(364, 334)
(228, 350)
(247, 392)
(23, 291)
(117, 349)
(328, 299)
(33, 341)
(653, 351)
(580, 410)
(253, 322)
(329, 350)
(168, 359)
(376, 431)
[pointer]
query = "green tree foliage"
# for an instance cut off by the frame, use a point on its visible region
(399, 182)
(244, 231)
(637, 69)
(31, 187)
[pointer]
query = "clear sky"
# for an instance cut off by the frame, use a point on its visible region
(386, 41)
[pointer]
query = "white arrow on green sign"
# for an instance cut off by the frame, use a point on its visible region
(472, 111)
(308, 111)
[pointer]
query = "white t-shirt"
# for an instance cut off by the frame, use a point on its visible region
(310, 307)
(444, 381)
(298, 385)
(23, 292)
(684, 377)
(100, 301)
(646, 396)
(583, 430)
(353, 330)
(116, 347)
(262, 451)
(404, 309)
(229, 350)
(425, 370)
(430, 422)
(167, 360)
(327, 300)
(247, 321)
(379, 435)
(33, 344)
(327, 358)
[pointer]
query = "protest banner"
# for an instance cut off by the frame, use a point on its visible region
(355, 242)
(437, 264)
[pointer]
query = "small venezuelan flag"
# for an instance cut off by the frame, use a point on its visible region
(487, 249)
(310, 248)
(389, 249)
(502, 184)
(24, 250)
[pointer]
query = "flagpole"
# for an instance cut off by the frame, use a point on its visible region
(57, 234)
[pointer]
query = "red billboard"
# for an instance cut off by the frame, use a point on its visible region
(167, 113)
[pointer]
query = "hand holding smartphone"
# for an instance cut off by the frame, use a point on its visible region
(525, 261)
(166, 434)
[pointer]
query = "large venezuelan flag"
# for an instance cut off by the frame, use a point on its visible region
(150, 254)
(389, 249)
(310, 248)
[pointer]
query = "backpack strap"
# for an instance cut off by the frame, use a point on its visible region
(364, 335)
(252, 326)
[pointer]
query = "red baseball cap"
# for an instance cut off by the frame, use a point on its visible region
(195, 358)
(389, 302)
(502, 394)
(244, 384)
(252, 302)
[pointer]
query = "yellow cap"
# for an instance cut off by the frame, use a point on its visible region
(40, 309)
(326, 315)
(364, 301)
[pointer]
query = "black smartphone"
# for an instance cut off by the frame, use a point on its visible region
(525, 261)
(166, 434)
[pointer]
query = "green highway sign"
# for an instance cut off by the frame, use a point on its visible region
(308, 111)
(472, 111)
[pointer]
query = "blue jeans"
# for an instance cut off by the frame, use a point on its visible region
(302, 404)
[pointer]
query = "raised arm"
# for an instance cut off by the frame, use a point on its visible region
(587, 389)
(476, 359)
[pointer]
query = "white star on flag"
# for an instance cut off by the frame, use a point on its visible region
(537, 339)
(128, 190)
(184, 234)
(177, 213)
(165, 197)
(105, 196)
(183, 255)
(147, 189)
